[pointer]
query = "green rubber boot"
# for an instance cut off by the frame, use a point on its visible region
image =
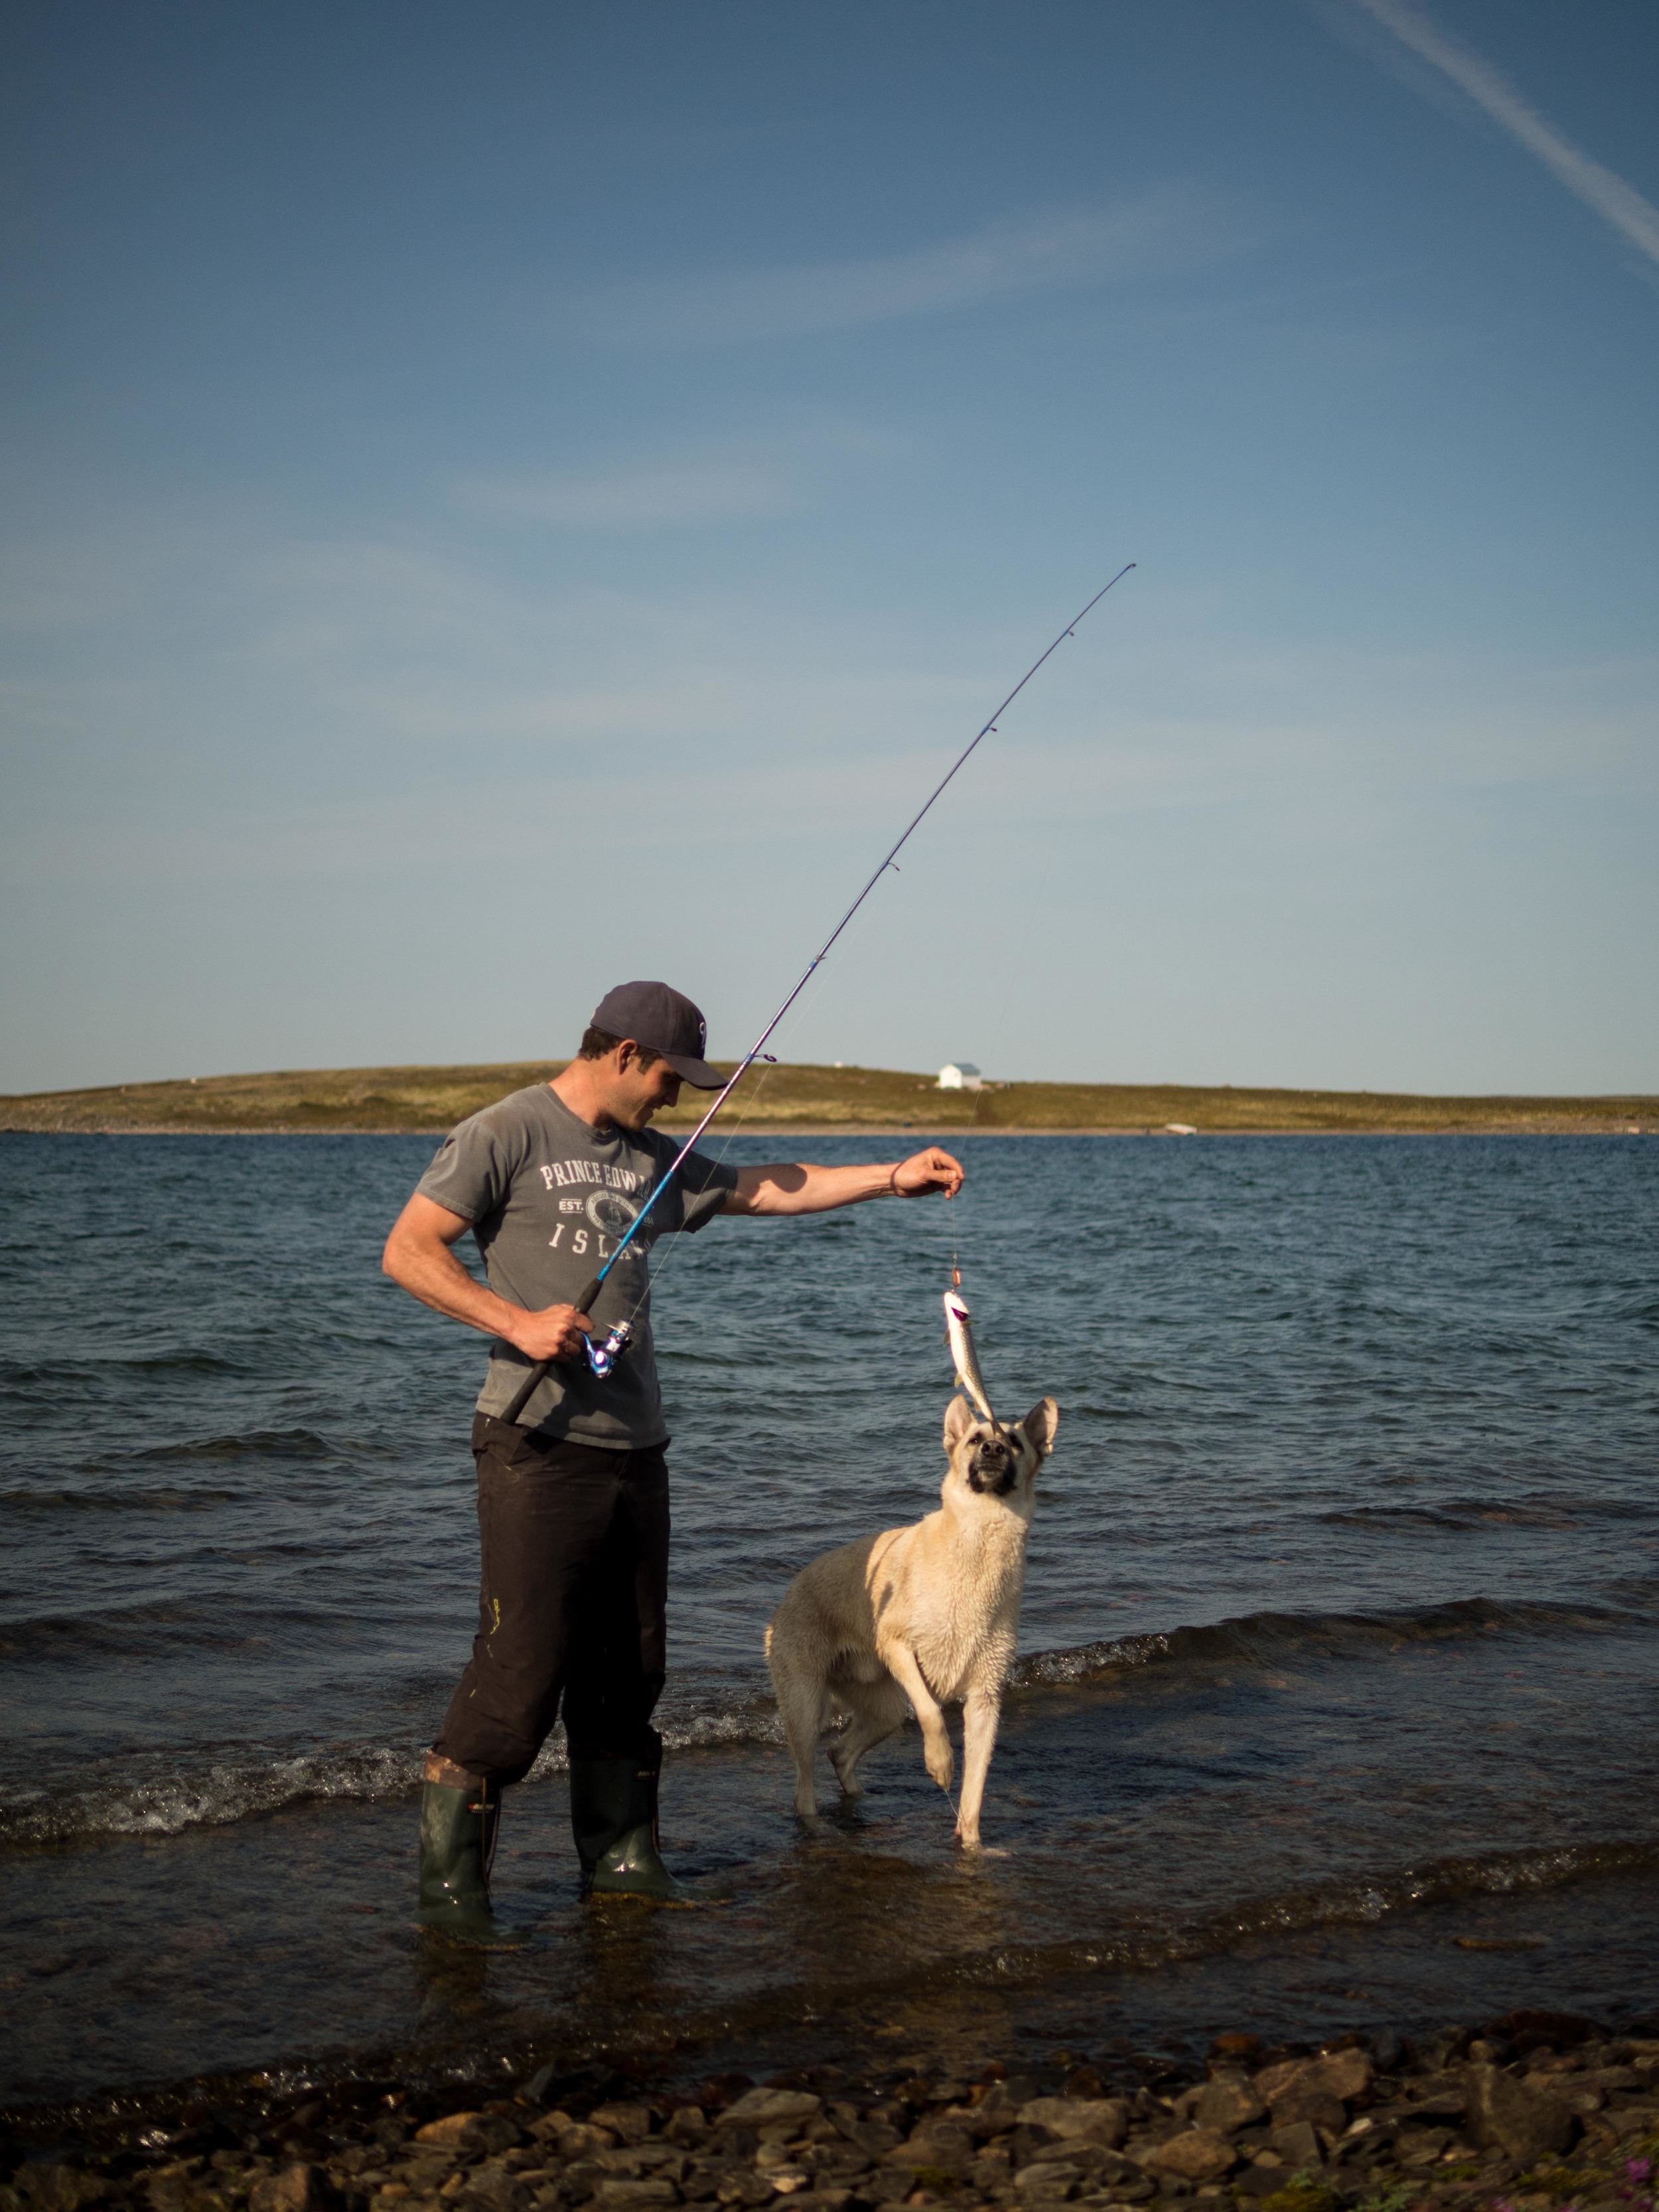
(458, 1842)
(613, 1815)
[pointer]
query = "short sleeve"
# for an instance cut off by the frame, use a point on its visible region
(472, 1171)
(704, 1186)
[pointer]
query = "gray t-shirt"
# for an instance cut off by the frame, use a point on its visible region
(548, 1197)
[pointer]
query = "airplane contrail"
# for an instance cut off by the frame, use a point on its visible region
(1620, 203)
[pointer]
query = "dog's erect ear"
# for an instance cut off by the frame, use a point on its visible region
(959, 1418)
(1039, 1426)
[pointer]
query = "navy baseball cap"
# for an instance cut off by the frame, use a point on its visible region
(664, 1019)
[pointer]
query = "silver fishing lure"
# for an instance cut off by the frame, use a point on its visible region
(960, 1332)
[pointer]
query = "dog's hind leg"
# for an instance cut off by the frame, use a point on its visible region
(874, 1711)
(801, 1709)
(981, 1709)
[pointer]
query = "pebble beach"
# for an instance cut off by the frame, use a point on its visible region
(1535, 2111)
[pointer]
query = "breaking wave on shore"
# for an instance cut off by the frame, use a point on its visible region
(161, 1794)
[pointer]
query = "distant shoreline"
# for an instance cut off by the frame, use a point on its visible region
(922, 1133)
(803, 1101)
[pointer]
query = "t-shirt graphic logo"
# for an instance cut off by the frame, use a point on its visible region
(611, 1214)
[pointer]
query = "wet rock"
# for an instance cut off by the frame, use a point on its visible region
(1523, 2124)
(1337, 2078)
(1616, 2077)
(937, 2144)
(1090, 2119)
(759, 2108)
(1261, 2180)
(1299, 2145)
(1227, 2102)
(750, 2184)
(1197, 2155)
(623, 2192)
(577, 2183)
(1439, 2096)
(1562, 2031)
(642, 2158)
(55, 2188)
(170, 2188)
(835, 2163)
(297, 2188)
(1025, 2145)
(688, 2126)
(873, 2137)
(1000, 2106)
(629, 2124)
(446, 2130)
(1050, 2181)
(581, 2139)
(1438, 2052)
(491, 2133)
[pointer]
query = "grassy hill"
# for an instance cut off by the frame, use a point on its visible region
(804, 1097)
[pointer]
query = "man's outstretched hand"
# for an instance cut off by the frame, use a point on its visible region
(931, 1170)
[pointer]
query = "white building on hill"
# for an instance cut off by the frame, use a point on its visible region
(960, 1075)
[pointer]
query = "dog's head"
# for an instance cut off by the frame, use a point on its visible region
(993, 1462)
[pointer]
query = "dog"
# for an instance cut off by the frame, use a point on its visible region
(923, 1616)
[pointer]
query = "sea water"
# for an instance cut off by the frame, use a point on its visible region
(1340, 1652)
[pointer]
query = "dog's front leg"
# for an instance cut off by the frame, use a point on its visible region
(900, 1663)
(980, 1712)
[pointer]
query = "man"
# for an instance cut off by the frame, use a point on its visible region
(572, 1495)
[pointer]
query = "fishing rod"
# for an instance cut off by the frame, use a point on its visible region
(602, 1357)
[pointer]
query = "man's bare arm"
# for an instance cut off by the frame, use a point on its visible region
(801, 1187)
(418, 1255)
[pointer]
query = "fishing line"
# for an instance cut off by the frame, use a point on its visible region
(749, 1101)
(591, 1290)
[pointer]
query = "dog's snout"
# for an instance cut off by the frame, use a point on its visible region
(992, 1467)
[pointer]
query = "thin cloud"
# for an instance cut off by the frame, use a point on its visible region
(632, 499)
(1635, 218)
(1059, 252)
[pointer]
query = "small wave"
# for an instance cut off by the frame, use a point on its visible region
(211, 1620)
(1440, 1881)
(21, 1500)
(1482, 1513)
(253, 1782)
(53, 1373)
(164, 1801)
(1356, 1902)
(165, 1804)
(283, 1444)
(1281, 1636)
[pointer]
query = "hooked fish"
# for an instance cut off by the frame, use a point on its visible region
(959, 1330)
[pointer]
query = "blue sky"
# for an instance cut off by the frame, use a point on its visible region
(503, 500)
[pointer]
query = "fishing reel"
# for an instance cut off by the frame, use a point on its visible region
(603, 1357)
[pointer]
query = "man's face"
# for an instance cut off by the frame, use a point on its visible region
(632, 1093)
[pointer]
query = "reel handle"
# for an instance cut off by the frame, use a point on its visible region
(532, 1382)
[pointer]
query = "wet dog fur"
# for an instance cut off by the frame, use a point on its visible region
(919, 1617)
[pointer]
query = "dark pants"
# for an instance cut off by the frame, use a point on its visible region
(573, 1603)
